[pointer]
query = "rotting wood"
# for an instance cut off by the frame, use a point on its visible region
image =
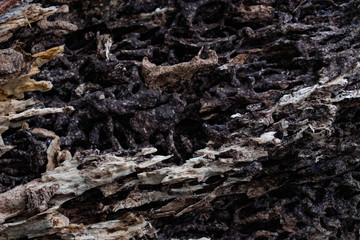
(257, 138)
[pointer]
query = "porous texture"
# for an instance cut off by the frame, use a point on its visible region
(192, 119)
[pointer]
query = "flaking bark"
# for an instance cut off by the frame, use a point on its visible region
(255, 137)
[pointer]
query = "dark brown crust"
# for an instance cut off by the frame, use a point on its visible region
(287, 82)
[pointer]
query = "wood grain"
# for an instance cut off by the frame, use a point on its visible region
(4, 5)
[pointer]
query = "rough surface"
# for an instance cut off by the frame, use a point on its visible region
(17, 14)
(14, 84)
(192, 120)
(176, 76)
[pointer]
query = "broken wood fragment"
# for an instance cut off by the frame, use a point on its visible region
(174, 77)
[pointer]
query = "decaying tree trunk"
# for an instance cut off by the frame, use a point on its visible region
(183, 119)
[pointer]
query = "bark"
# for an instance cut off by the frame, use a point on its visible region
(179, 119)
